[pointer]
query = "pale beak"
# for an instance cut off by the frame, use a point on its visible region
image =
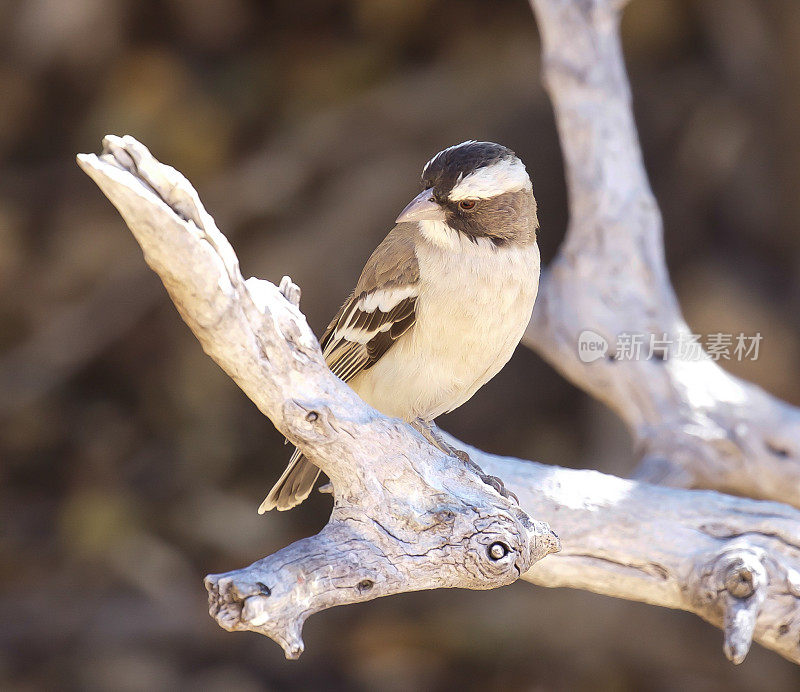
(422, 208)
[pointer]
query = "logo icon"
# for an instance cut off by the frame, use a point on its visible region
(591, 346)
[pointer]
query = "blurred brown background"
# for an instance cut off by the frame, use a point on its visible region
(131, 466)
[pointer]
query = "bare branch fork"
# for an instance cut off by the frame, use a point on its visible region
(694, 425)
(407, 517)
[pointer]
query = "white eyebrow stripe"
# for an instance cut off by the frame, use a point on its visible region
(507, 175)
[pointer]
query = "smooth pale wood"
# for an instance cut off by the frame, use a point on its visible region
(732, 561)
(405, 516)
(694, 425)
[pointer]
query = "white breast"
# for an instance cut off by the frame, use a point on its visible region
(475, 301)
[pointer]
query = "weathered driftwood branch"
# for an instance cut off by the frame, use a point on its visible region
(406, 517)
(732, 561)
(693, 424)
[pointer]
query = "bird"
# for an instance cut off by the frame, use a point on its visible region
(441, 304)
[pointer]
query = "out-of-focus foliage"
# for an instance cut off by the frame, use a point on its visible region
(130, 466)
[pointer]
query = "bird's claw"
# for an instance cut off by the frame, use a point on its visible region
(431, 433)
(499, 486)
(461, 454)
(493, 481)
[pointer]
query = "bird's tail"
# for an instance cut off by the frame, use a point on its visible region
(293, 486)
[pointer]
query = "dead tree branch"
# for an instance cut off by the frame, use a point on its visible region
(732, 561)
(405, 516)
(694, 425)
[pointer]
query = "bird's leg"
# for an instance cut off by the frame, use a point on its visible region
(431, 433)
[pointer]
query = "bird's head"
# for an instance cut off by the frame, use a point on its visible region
(478, 189)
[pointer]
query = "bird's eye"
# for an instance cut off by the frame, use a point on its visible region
(467, 204)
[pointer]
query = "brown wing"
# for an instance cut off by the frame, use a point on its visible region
(379, 311)
(359, 336)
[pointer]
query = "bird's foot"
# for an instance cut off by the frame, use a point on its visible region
(432, 434)
(499, 486)
(494, 481)
(461, 454)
